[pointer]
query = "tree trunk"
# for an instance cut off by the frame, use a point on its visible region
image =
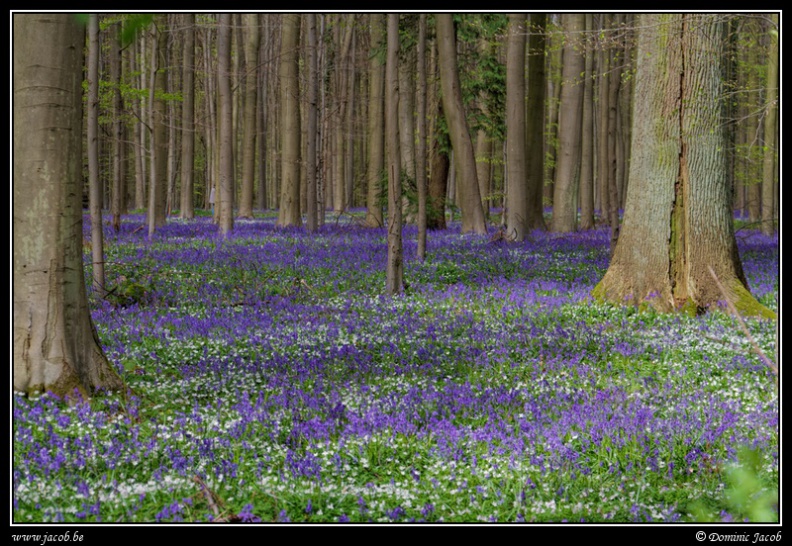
(95, 188)
(289, 212)
(311, 122)
(376, 149)
(470, 205)
(394, 276)
(678, 221)
(769, 159)
(249, 117)
(225, 122)
(570, 111)
(587, 141)
(159, 144)
(534, 125)
(56, 347)
(420, 162)
(516, 176)
(119, 201)
(187, 206)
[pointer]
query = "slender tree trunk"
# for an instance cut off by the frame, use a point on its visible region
(407, 109)
(394, 277)
(95, 188)
(472, 211)
(55, 345)
(289, 212)
(225, 122)
(569, 126)
(311, 133)
(159, 145)
(119, 201)
(616, 61)
(376, 144)
(587, 140)
(249, 117)
(516, 176)
(187, 206)
(349, 130)
(137, 108)
(534, 124)
(420, 166)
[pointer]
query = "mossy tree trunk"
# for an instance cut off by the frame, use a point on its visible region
(56, 348)
(677, 220)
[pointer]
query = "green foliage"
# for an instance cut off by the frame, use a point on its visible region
(749, 494)
(127, 292)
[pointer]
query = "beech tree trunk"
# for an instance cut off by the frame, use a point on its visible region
(516, 196)
(289, 212)
(534, 122)
(394, 277)
(376, 142)
(470, 202)
(249, 118)
(570, 112)
(187, 206)
(225, 122)
(678, 221)
(55, 346)
(420, 161)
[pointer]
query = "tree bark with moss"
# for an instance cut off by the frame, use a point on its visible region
(677, 219)
(56, 348)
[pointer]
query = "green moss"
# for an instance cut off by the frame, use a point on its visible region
(748, 305)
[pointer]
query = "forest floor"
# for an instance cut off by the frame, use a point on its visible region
(270, 380)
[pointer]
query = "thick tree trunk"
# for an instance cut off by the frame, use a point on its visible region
(289, 212)
(516, 176)
(678, 220)
(55, 347)
(394, 277)
(376, 143)
(470, 202)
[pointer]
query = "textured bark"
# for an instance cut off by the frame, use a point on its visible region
(55, 345)
(289, 212)
(534, 124)
(225, 125)
(470, 202)
(119, 195)
(159, 144)
(420, 161)
(95, 188)
(587, 141)
(407, 109)
(516, 196)
(376, 136)
(395, 266)
(677, 220)
(311, 122)
(249, 118)
(570, 108)
(187, 206)
(769, 160)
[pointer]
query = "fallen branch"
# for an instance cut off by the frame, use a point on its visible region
(742, 324)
